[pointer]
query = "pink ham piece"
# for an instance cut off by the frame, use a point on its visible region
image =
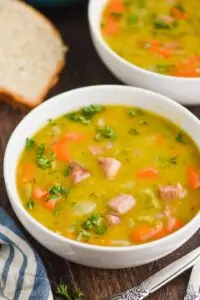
(110, 166)
(171, 192)
(78, 173)
(122, 204)
(113, 220)
(166, 18)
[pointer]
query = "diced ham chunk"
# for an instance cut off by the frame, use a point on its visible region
(171, 192)
(113, 220)
(110, 166)
(78, 173)
(122, 204)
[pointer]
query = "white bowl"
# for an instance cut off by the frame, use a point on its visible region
(97, 256)
(183, 90)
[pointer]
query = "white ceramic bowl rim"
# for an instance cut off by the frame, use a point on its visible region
(45, 230)
(98, 35)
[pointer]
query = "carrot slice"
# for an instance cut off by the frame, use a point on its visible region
(146, 232)
(161, 51)
(116, 6)
(61, 151)
(39, 193)
(27, 172)
(193, 178)
(188, 67)
(50, 204)
(111, 27)
(73, 136)
(177, 14)
(148, 173)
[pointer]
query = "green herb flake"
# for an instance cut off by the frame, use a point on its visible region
(166, 162)
(85, 115)
(116, 14)
(165, 68)
(143, 122)
(133, 131)
(91, 110)
(30, 204)
(132, 19)
(105, 133)
(96, 224)
(57, 191)
(66, 171)
(160, 24)
(30, 144)
(41, 159)
(180, 7)
(63, 291)
(180, 138)
(135, 112)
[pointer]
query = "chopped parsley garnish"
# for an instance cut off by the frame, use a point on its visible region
(30, 144)
(180, 138)
(132, 19)
(86, 114)
(135, 112)
(30, 204)
(180, 7)
(143, 122)
(160, 24)
(105, 133)
(57, 191)
(167, 161)
(116, 14)
(165, 68)
(66, 171)
(63, 291)
(95, 223)
(133, 131)
(41, 159)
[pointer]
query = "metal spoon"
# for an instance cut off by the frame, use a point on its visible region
(161, 278)
(193, 290)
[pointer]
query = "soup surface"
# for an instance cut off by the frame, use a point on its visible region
(162, 36)
(87, 177)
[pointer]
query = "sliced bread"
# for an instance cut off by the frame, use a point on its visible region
(32, 53)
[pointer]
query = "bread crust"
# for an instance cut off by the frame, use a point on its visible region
(19, 100)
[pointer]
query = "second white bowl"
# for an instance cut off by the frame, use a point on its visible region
(183, 90)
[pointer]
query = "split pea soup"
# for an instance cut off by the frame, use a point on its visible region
(113, 176)
(160, 36)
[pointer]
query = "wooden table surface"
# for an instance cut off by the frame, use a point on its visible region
(85, 68)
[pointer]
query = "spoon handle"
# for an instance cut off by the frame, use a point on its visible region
(193, 290)
(161, 278)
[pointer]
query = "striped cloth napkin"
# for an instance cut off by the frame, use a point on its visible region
(22, 274)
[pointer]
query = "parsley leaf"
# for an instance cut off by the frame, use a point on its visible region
(160, 24)
(96, 224)
(86, 114)
(105, 133)
(56, 191)
(30, 144)
(67, 171)
(135, 112)
(30, 204)
(41, 159)
(133, 131)
(167, 161)
(62, 290)
(180, 138)
(132, 20)
(180, 7)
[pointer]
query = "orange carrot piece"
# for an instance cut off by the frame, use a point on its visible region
(188, 67)
(116, 6)
(39, 193)
(50, 204)
(161, 51)
(73, 136)
(148, 173)
(146, 232)
(193, 178)
(177, 14)
(27, 172)
(61, 151)
(111, 27)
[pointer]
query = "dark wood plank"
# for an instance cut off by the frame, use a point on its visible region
(85, 68)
